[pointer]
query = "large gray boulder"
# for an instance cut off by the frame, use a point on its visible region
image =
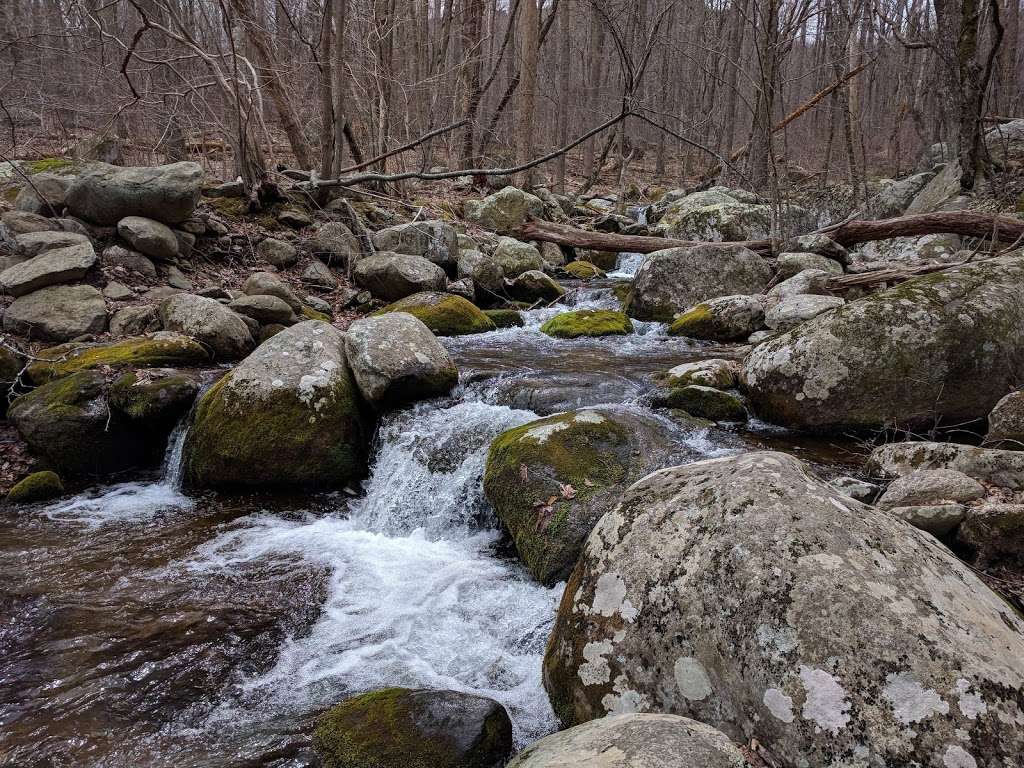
(988, 465)
(944, 347)
(393, 276)
(747, 594)
(727, 318)
(334, 244)
(435, 241)
(515, 257)
(62, 265)
(895, 196)
(209, 322)
(289, 415)
(671, 281)
(148, 236)
(505, 211)
(396, 359)
(57, 313)
(105, 194)
(795, 310)
(719, 215)
(634, 741)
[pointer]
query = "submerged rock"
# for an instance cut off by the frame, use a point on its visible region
(105, 194)
(550, 481)
(957, 335)
(404, 728)
(748, 595)
(289, 415)
(671, 281)
(588, 323)
(396, 359)
(445, 314)
(634, 741)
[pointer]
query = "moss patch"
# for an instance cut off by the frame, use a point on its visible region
(583, 270)
(165, 350)
(311, 314)
(443, 313)
(706, 403)
(39, 486)
(588, 322)
(542, 479)
(696, 323)
(505, 318)
(50, 164)
(164, 398)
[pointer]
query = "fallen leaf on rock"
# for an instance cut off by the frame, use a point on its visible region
(568, 492)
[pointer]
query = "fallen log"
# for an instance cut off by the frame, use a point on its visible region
(880, 276)
(996, 227)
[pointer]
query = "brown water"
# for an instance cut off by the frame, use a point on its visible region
(144, 627)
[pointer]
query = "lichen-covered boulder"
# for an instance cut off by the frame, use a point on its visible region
(396, 359)
(39, 486)
(634, 741)
(747, 594)
(717, 215)
(435, 241)
(895, 196)
(445, 314)
(1006, 422)
(535, 286)
(149, 237)
(393, 276)
(671, 281)
(405, 728)
(70, 423)
(57, 313)
(61, 265)
(516, 257)
(713, 372)
(289, 415)
(823, 245)
(794, 310)
(583, 270)
(105, 194)
(505, 211)
(550, 481)
(334, 244)
(591, 323)
(957, 335)
(988, 465)
(806, 282)
(727, 318)
(157, 397)
(209, 322)
(159, 350)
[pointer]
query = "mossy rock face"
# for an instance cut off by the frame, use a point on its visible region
(69, 422)
(443, 313)
(49, 164)
(588, 322)
(727, 318)
(505, 318)
(704, 402)
(404, 728)
(942, 348)
(550, 481)
(39, 486)
(155, 351)
(583, 270)
(155, 396)
(289, 415)
(311, 314)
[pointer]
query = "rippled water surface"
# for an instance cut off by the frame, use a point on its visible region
(146, 626)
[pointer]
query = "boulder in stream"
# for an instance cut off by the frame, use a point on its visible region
(591, 323)
(39, 486)
(445, 314)
(727, 318)
(289, 415)
(747, 594)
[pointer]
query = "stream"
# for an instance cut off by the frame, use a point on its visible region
(146, 626)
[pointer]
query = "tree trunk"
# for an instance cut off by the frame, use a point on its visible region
(529, 33)
(472, 38)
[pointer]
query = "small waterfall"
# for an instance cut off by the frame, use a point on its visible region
(627, 265)
(172, 456)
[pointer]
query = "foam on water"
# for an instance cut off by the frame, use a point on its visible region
(627, 265)
(416, 596)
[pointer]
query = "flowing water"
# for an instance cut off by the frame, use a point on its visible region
(147, 626)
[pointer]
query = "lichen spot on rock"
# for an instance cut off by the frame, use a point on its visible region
(912, 702)
(779, 704)
(595, 670)
(692, 678)
(826, 704)
(610, 597)
(958, 757)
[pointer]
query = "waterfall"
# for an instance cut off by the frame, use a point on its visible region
(172, 456)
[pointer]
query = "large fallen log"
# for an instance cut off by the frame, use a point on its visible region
(994, 227)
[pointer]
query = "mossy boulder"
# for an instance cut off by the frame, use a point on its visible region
(703, 402)
(727, 318)
(289, 415)
(158, 350)
(155, 396)
(505, 318)
(39, 486)
(550, 481)
(71, 424)
(588, 323)
(671, 281)
(443, 313)
(942, 348)
(405, 728)
(312, 314)
(747, 594)
(583, 270)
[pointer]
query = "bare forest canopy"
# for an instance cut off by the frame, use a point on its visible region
(663, 89)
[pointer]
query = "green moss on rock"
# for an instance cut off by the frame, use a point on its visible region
(158, 350)
(695, 323)
(311, 314)
(161, 398)
(583, 270)
(588, 322)
(443, 313)
(48, 164)
(39, 486)
(505, 318)
(705, 403)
